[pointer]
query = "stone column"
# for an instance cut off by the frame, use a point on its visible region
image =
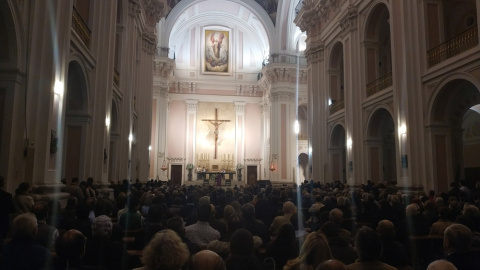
(239, 133)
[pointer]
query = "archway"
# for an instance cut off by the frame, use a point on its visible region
(302, 167)
(381, 147)
(336, 76)
(378, 62)
(338, 154)
(455, 134)
(76, 120)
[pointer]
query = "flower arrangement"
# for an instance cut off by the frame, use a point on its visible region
(190, 166)
(239, 166)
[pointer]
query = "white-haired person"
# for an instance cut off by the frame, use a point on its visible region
(457, 243)
(23, 251)
(100, 249)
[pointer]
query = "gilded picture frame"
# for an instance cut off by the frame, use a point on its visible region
(216, 48)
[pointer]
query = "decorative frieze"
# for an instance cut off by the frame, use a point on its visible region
(286, 96)
(176, 159)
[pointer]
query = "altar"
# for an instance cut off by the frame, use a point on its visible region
(216, 177)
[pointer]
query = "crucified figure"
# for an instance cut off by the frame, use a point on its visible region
(216, 123)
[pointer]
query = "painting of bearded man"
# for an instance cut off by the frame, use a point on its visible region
(216, 51)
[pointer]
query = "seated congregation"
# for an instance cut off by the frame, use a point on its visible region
(310, 226)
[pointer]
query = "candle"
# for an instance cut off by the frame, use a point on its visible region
(228, 157)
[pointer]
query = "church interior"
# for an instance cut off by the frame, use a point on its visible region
(191, 113)
(277, 90)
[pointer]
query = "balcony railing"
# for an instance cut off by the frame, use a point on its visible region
(116, 77)
(458, 44)
(81, 28)
(379, 84)
(337, 105)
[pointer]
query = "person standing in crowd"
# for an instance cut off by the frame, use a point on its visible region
(6, 208)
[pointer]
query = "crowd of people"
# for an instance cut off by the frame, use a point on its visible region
(155, 225)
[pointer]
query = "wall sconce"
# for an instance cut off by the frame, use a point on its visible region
(402, 129)
(272, 163)
(58, 88)
(107, 121)
(349, 142)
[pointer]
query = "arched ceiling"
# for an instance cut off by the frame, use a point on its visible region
(252, 37)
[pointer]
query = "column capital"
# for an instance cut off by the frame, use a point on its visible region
(164, 67)
(239, 107)
(192, 105)
(348, 22)
(160, 90)
(155, 10)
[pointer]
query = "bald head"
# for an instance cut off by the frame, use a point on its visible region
(386, 229)
(206, 259)
(441, 265)
(331, 265)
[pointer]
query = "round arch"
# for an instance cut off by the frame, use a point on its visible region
(337, 152)
(252, 6)
(76, 122)
(381, 147)
(454, 133)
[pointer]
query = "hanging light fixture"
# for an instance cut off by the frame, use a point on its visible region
(164, 165)
(272, 163)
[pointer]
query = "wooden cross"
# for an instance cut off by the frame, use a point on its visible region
(216, 122)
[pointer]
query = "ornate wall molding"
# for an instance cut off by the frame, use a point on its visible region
(315, 52)
(288, 96)
(134, 8)
(176, 159)
(348, 22)
(149, 41)
(252, 161)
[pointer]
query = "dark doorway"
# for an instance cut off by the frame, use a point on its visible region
(176, 175)
(252, 175)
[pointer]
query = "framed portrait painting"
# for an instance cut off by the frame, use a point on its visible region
(216, 52)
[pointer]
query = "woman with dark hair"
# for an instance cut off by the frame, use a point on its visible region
(241, 252)
(284, 247)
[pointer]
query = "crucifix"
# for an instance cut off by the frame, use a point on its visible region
(216, 122)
